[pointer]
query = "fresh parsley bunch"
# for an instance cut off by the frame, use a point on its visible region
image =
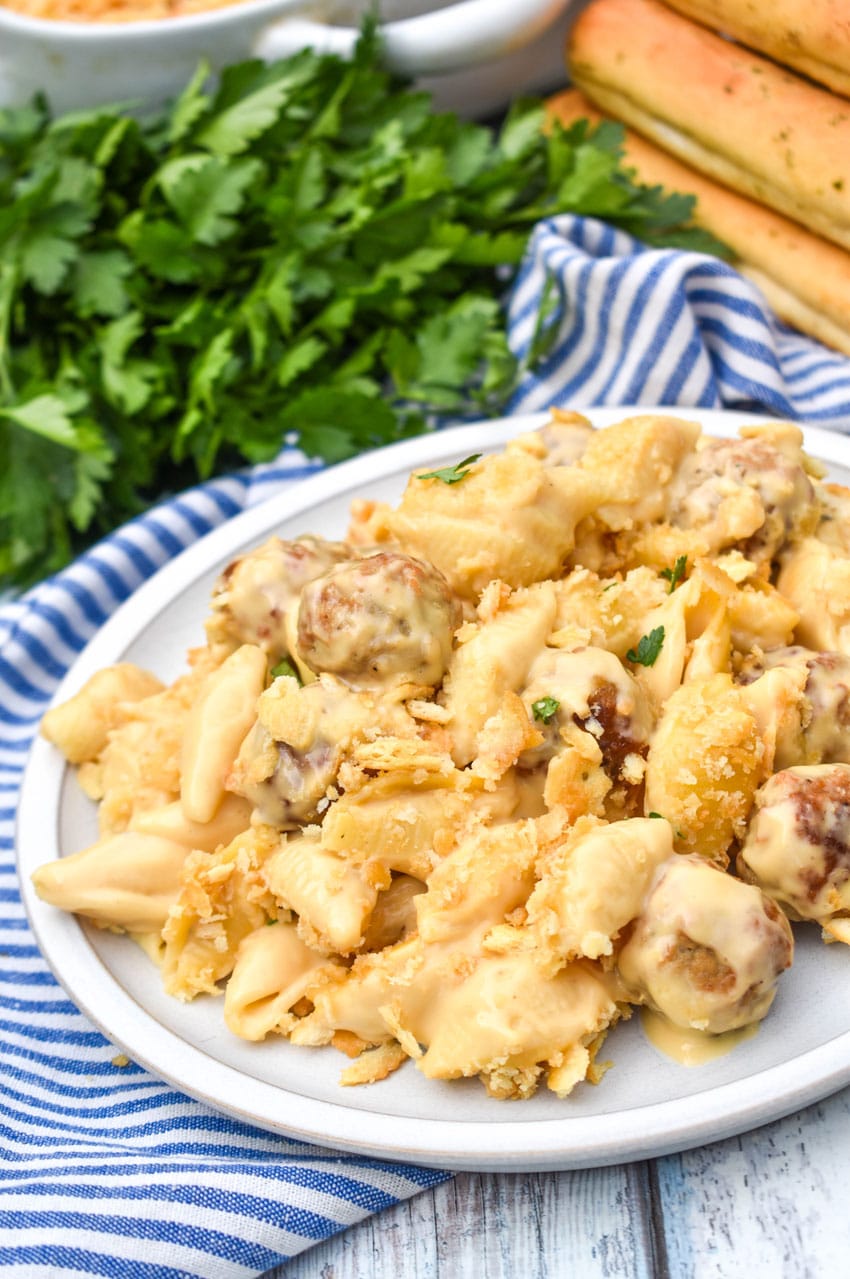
(305, 252)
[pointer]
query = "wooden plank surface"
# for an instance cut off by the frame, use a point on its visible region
(497, 1226)
(771, 1204)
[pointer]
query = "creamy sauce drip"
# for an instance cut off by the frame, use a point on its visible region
(687, 1046)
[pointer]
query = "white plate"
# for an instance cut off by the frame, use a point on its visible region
(645, 1106)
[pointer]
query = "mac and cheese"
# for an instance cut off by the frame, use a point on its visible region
(563, 733)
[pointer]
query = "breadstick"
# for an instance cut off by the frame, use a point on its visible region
(813, 36)
(805, 279)
(730, 113)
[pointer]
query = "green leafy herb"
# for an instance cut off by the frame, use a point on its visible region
(285, 667)
(675, 574)
(452, 474)
(661, 816)
(545, 709)
(649, 646)
(304, 253)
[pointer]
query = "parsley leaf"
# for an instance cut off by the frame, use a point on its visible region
(545, 709)
(451, 474)
(649, 646)
(99, 286)
(303, 251)
(675, 574)
(204, 191)
(235, 128)
(284, 667)
(45, 415)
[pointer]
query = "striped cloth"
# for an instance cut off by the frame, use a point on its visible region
(103, 1169)
(632, 325)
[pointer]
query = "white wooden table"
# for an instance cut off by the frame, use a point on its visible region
(771, 1204)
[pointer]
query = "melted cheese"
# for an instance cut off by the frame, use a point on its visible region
(687, 1046)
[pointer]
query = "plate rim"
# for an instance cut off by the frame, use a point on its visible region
(546, 1144)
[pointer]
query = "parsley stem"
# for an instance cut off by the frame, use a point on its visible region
(8, 285)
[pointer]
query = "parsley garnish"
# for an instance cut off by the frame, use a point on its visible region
(302, 251)
(285, 667)
(676, 830)
(452, 474)
(649, 646)
(545, 709)
(675, 574)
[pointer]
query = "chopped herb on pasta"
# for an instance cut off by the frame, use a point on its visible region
(649, 646)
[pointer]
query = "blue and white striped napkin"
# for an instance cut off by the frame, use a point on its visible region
(105, 1170)
(633, 325)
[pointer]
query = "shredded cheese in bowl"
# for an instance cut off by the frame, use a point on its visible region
(563, 734)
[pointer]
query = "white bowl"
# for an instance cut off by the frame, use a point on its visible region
(517, 42)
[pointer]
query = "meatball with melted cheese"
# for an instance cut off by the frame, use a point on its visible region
(706, 950)
(591, 688)
(253, 595)
(816, 689)
(292, 754)
(285, 785)
(797, 847)
(746, 493)
(385, 620)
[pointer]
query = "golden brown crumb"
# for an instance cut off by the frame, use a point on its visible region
(374, 1065)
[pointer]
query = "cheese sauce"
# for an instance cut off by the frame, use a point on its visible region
(687, 1046)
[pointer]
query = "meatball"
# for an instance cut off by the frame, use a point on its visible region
(286, 786)
(706, 950)
(820, 733)
(797, 847)
(251, 597)
(746, 493)
(293, 753)
(385, 619)
(589, 687)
